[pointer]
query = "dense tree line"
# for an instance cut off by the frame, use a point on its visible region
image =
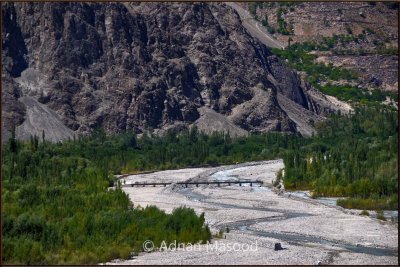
(56, 206)
(126, 153)
(353, 156)
(57, 209)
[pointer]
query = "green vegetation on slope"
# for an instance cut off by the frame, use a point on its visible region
(283, 27)
(322, 76)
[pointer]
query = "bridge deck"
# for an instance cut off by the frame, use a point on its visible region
(219, 183)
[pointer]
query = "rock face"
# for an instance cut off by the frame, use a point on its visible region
(137, 67)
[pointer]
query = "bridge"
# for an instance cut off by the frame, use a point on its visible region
(186, 184)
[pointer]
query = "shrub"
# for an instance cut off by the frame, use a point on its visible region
(278, 178)
(220, 234)
(380, 215)
(364, 213)
(348, 29)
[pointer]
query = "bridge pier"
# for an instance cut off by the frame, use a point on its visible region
(197, 185)
(240, 184)
(219, 185)
(154, 185)
(251, 184)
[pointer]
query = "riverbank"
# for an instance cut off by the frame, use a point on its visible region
(311, 232)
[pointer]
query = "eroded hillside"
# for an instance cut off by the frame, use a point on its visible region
(137, 67)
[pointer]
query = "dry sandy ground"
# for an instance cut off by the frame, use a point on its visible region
(310, 232)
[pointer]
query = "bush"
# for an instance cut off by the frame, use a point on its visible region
(364, 213)
(220, 234)
(380, 215)
(349, 30)
(278, 178)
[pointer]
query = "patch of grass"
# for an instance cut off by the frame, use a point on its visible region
(367, 204)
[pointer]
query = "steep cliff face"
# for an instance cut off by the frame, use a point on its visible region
(134, 67)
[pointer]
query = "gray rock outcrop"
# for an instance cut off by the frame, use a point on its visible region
(137, 67)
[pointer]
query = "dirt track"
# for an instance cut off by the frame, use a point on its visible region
(254, 28)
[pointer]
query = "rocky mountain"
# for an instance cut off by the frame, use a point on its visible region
(68, 68)
(358, 36)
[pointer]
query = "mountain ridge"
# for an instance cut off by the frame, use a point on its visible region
(137, 67)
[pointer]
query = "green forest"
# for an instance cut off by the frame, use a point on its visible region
(57, 206)
(57, 209)
(352, 156)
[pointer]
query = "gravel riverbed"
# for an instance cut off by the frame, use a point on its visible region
(258, 217)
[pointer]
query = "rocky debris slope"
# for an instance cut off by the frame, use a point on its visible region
(130, 66)
(39, 117)
(211, 121)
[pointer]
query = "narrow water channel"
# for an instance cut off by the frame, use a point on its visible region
(227, 175)
(292, 238)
